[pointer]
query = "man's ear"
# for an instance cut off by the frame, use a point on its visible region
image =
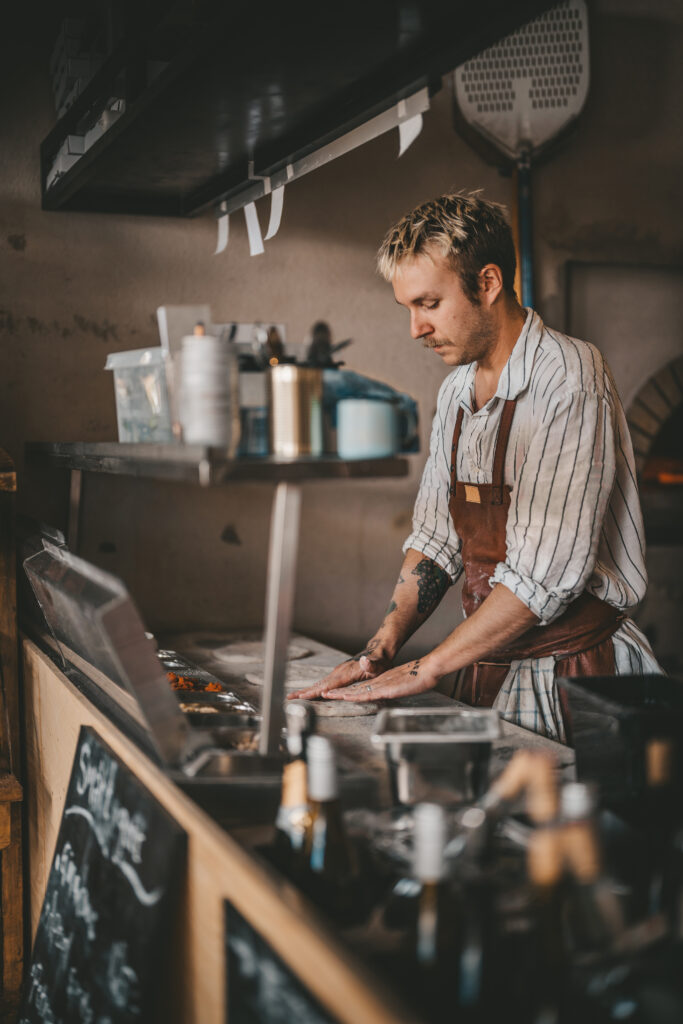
(490, 283)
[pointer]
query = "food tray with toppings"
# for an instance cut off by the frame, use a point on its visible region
(200, 694)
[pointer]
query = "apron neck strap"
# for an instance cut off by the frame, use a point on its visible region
(501, 449)
(454, 448)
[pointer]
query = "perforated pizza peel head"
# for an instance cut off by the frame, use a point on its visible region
(520, 93)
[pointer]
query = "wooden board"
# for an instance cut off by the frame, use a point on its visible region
(103, 936)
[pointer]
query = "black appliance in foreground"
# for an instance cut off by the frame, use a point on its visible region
(628, 737)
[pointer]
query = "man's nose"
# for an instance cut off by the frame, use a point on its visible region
(419, 327)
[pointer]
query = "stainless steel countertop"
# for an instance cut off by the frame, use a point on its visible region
(352, 735)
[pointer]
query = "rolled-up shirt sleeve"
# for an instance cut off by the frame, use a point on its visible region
(433, 532)
(558, 504)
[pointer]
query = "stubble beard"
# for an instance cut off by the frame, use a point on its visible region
(477, 336)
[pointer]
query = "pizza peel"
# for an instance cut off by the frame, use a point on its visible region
(519, 95)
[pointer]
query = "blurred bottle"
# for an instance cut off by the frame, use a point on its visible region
(665, 806)
(478, 992)
(595, 918)
(545, 867)
(334, 881)
(436, 941)
(294, 813)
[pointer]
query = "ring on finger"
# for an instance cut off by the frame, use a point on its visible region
(368, 687)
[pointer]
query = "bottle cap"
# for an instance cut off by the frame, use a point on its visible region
(299, 720)
(429, 864)
(577, 801)
(322, 769)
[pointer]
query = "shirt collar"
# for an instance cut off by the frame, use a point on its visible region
(516, 373)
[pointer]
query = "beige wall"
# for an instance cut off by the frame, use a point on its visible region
(76, 286)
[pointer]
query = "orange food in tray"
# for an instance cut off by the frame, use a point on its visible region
(186, 683)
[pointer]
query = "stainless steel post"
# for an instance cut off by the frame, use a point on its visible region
(284, 542)
(73, 530)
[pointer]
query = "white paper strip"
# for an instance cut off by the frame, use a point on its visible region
(223, 232)
(408, 131)
(277, 199)
(253, 230)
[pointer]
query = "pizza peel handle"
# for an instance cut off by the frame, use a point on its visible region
(521, 93)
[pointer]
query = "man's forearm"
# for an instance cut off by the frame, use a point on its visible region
(499, 620)
(420, 587)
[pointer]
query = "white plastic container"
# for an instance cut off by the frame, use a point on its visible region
(209, 392)
(142, 410)
(367, 428)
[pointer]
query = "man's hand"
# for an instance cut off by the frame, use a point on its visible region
(369, 664)
(415, 677)
(420, 587)
(501, 616)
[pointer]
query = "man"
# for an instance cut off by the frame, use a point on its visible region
(529, 489)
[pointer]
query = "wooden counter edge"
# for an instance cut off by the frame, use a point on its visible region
(328, 970)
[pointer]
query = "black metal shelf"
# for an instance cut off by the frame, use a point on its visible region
(202, 465)
(262, 84)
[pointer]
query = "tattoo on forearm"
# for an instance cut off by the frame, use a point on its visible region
(432, 584)
(400, 578)
(372, 646)
(415, 669)
(392, 608)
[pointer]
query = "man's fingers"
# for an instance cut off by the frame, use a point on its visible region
(349, 673)
(400, 682)
(340, 676)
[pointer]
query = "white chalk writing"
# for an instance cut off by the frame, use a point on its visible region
(38, 995)
(121, 835)
(66, 870)
(122, 979)
(78, 1000)
(59, 939)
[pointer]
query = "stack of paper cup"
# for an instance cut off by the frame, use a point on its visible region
(209, 392)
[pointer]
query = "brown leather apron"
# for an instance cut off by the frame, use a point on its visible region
(579, 640)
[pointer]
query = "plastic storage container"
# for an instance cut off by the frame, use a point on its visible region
(142, 410)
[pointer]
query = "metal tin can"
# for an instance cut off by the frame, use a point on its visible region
(296, 421)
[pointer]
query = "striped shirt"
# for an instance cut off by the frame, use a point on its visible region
(574, 523)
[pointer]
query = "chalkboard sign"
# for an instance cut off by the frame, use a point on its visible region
(100, 939)
(261, 988)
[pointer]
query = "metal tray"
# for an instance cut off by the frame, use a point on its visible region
(437, 754)
(222, 703)
(402, 726)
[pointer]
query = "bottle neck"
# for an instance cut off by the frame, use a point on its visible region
(294, 789)
(427, 946)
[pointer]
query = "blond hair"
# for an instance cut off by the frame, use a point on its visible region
(463, 228)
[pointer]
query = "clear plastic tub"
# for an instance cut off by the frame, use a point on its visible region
(142, 409)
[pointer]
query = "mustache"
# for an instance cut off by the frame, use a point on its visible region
(434, 344)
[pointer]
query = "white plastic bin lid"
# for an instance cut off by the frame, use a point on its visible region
(133, 358)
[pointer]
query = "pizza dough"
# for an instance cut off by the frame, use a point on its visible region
(298, 676)
(255, 650)
(238, 647)
(340, 708)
